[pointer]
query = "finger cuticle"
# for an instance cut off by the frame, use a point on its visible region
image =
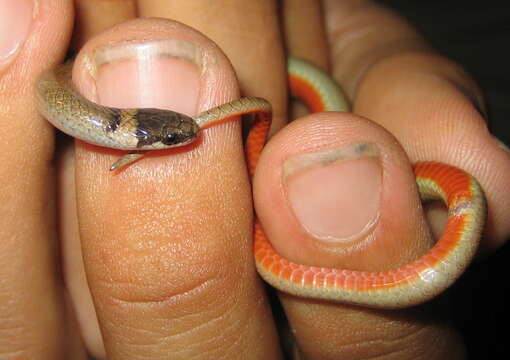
(335, 194)
(15, 21)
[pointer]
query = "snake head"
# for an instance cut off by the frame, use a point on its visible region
(161, 129)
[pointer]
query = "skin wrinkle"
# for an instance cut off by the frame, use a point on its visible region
(392, 346)
(131, 341)
(232, 327)
(207, 324)
(401, 343)
(467, 86)
(220, 345)
(388, 332)
(171, 339)
(141, 281)
(202, 283)
(142, 334)
(411, 336)
(445, 70)
(361, 24)
(382, 338)
(231, 324)
(456, 113)
(447, 120)
(21, 354)
(193, 291)
(11, 333)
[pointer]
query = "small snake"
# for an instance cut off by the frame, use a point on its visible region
(149, 129)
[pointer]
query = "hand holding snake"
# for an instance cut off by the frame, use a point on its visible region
(149, 129)
(191, 205)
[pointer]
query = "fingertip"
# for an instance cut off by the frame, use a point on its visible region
(432, 107)
(177, 238)
(386, 226)
(33, 37)
(338, 190)
(163, 57)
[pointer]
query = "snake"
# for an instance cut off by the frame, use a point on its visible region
(142, 129)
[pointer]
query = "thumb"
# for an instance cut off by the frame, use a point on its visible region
(337, 190)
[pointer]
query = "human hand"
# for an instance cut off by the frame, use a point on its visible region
(145, 311)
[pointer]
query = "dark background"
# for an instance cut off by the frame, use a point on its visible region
(476, 35)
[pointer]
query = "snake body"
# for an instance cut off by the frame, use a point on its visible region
(147, 129)
(124, 129)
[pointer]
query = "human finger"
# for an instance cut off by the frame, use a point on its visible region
(344, 196)
(305, 35)
(92, 17)
(95, 16)
(428, 102)
(249, 34)
(168, 273)
(33, 36)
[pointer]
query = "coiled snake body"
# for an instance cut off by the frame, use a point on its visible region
(147, 129)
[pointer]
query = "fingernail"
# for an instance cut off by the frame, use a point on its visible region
(335, 194)
(15, 20)
(147, 75)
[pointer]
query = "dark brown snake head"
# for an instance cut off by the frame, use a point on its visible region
(158, 128)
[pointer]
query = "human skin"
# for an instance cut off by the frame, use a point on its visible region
(163, 285)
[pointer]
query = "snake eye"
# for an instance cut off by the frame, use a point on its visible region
(170, 139)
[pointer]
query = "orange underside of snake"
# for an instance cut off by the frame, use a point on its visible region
(406, 286)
